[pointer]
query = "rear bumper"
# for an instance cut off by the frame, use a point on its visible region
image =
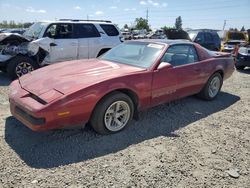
(242, 60)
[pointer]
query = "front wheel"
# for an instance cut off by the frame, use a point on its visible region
(112, 114)
(212, 87)
(20, 65)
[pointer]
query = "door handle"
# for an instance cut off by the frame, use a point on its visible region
(53, 44)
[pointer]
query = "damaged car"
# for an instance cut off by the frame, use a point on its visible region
(49, 42)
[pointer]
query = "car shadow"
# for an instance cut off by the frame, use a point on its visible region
(4, 80)
(63, 147)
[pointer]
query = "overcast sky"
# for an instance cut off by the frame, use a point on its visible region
(195, 13)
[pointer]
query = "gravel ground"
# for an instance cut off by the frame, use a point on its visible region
(186, 143)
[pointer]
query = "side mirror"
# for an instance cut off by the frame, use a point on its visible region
(164, 65)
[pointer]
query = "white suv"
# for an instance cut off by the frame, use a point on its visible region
(49, 42)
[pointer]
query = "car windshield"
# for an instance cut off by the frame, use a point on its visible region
(35, 30)
(139, 54)
(236, 36)
(192, 36)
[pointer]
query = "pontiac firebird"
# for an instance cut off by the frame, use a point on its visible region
(109, 91)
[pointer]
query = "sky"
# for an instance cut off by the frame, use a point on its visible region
(196, 14)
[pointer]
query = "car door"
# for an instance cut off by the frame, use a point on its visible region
(88, 40)
(184, 78)
(164, 85)
(64, 46)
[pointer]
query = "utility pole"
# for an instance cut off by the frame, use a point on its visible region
(147, 14)
(224, 25)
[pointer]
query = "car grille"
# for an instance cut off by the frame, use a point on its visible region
(28, 117)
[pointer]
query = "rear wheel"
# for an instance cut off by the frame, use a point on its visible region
(20, 65)
(112, 114)
(212, 87)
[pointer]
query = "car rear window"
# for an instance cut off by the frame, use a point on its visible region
(236, 36)
(110, 30)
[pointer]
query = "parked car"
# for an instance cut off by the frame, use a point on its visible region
(207, 38)
(109, 91)
(156, 36)
(177, 34)
(242, 57)
(233, 39)
(49, 42)
(19, 31)
(126, 35)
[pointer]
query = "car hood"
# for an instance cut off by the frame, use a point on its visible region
(6, 37)
(71, 76)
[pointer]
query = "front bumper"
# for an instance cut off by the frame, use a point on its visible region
(4, 59)
(38, 116)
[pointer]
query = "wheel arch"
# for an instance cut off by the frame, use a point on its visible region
(220, 71)
(102, 51)
(130, 93)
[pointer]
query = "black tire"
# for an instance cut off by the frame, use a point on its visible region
(204, 94)
(97, 120)
(13, 63)
(239, 67)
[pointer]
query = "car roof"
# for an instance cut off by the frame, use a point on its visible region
(78, 21)
(164, 41)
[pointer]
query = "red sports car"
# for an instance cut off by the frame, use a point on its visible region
(109, 91)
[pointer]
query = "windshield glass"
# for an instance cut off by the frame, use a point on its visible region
(236, 36)
(139, 54)
(192, 36)
(35, 30)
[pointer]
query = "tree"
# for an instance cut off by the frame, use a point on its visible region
(141, 23)
(243, 28)
(125, 26)
(178, 23)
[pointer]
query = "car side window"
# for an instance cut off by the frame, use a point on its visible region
(180, 55)
(86, 31)
(60, 31)
(110, 30)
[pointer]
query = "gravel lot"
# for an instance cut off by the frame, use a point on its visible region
(187, 143)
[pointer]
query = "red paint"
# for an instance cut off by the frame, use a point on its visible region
(77, 86)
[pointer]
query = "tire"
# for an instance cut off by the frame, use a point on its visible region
(20, 65)
(239, 67)
(214, 83)
(107, 109)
